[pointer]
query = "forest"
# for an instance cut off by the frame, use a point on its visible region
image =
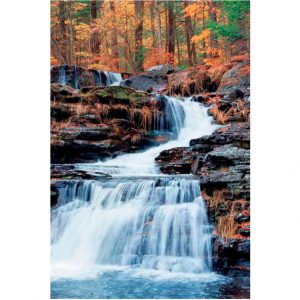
(150, 149)
(132, 36)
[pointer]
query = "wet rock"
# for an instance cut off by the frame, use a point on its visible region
(236, 80)
(90, 118)
(189, 82)
(233, 248)
(240, 218)
(59, 91)
(237, 134)
(102, 122)
(161, 70)
(120, 95)
(176, 168)
(145, 82)
(79, 77)
(245, 231)
(94, 134)
(174, 161)
(170, 155)
(80, 151)
(228, 155)
(60, 113)
(68, 172)
(126, 83)
(53, 195)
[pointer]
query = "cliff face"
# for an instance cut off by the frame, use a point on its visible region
(222, 161)
(99, 122)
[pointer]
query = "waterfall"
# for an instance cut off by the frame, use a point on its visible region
(62, 75)
(76, 78)
(185, 119)
(158, 224)
(113, 78)
(138, 217)
(105, 78)
(71, 75)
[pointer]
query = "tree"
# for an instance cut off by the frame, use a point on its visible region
(139, 15)
(158, 24)
(95, 40)
(131, 35)
(114, 38)
(63, 32)
(152, 23)
(191, 49)
(171, 32)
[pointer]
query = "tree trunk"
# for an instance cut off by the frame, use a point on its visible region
(114, 40)
(178, 48)
(171, 32)
(139, 14)
(95, 40)
(94, 9)
(213, 17)
(203, 27)
(158, 24)
(63, 32)
(188, 23)
(71, 37)
(166, 27)
(152, 23)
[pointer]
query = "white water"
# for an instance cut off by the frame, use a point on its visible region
(155, 224)
(102, 78)
(110, 78)
(190, 120)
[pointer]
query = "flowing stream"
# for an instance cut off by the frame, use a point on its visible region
(137, 227)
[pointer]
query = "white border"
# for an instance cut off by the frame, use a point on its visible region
(24, 212)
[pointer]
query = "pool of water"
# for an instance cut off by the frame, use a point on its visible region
(135, 283)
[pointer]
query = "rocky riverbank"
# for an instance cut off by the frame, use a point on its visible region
(96, 122)
(222, 161)
(100, 122)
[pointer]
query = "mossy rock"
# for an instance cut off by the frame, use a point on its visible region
(121, 95)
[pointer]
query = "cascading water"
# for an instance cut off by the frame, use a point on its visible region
(185, 119)
(138, 217)
(62, 75)
(105, 78)
(158, 224)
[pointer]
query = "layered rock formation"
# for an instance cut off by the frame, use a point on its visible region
(95, 122)
(222, 161)
(100, 122)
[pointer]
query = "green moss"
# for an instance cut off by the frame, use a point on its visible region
(122, 94)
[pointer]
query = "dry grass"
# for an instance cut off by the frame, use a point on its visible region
(226, 226)
(60, 125)
(215, 199)
(101, 110)
(136, 138)
(141, 117)
(81, 109)
(220, 116)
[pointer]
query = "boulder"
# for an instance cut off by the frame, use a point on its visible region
(93, 123)
(78, 77)
(189, 82)
(236, 80)
(228, 155)
(148, 83)
(69, 172)
(237, 134)
(161, 70)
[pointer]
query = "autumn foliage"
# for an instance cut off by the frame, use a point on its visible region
(135, 35)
